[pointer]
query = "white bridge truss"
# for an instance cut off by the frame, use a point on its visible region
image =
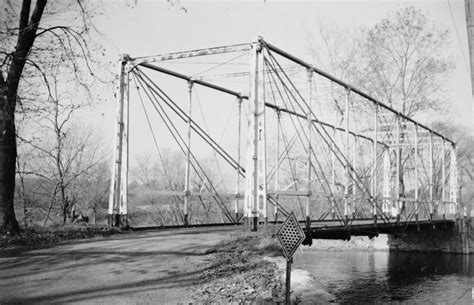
(335, 151)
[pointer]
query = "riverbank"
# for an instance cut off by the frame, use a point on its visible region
(305, 289)
(236, 272)
(250, 268)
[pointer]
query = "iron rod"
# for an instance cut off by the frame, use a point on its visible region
(288, 281)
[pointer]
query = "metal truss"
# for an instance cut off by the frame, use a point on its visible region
(336, 152)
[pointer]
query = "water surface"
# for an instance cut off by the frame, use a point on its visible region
(387, 277)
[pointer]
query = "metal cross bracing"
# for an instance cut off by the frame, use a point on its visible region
(295, 139)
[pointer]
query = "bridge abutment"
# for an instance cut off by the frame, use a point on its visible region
(455, 238)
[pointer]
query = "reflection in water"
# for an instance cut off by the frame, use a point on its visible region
(381, 277)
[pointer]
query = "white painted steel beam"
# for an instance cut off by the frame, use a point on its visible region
(374, 162)
(261, 138)
(346, 151)
(431, 176)
(193, 53)
(116, 187)
(188, 153)
(416, 173)
(310, 149)
(237, 182)
(123, 206)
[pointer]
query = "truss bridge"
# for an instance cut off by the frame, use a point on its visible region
(260, 133)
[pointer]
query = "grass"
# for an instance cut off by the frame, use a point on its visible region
(40, 237)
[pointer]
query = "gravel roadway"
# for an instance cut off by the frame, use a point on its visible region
(158, 267)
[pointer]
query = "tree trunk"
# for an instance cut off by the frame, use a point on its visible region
(28, 27)
(7, 163)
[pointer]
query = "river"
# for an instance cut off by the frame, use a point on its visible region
(363, 277)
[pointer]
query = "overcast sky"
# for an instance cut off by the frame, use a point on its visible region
(154, 27)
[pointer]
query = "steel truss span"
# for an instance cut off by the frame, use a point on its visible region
(295, 139)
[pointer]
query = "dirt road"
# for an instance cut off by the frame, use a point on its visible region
(157, 267)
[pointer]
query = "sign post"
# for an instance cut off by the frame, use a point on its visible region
(290, 235)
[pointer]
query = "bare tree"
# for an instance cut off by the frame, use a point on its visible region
(61, 163)
(404, 63)
(333, 49)
(60, 151)
(29, 45)
(404, 66)
(400, 61)
(147, 172)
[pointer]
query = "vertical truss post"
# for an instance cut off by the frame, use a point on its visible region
(354, 174)
(256, 192)
(116, 187)
(277, 162)
(125, 158)
(333, 173)
(374, 166)
(397, 185)
(453, 181)
(416, 173)
(346, 157)
(443, 178)
(248, 196)
(237, 183)
(431, 176)
(262, 140)
(187, 191)
(386, 187)
(250, 176)
(308, 118)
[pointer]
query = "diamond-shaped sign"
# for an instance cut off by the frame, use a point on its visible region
(290, 235)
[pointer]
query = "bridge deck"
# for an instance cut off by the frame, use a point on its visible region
(336, 230)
